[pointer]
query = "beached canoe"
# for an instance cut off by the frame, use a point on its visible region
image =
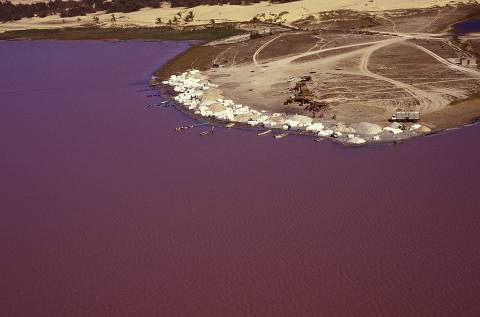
(264, 132)
(279, 136)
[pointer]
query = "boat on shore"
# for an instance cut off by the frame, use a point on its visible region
(230, 125)
(264, 132)
(204, 133)
(280, 136)
(182, 128)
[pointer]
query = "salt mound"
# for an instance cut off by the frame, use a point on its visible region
(303, 120)
(216, 107)
(342, 128)
(395, 125)
(415, 126)
(325, 133)
(425, 129)
(368, 128)
(315, 127)
(356, 140)
(393, 130)
(243, 118)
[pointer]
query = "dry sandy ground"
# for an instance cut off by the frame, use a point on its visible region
(360, 80)
(203, 14)
(364, 76)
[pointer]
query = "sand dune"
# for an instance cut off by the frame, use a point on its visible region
(203, 14)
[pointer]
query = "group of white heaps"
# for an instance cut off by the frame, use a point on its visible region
(199, 95)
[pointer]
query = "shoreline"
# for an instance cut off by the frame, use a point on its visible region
(458, 112)
(167, 96)
(167, 93)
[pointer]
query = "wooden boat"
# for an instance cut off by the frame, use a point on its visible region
(264, 132)
(279, 136)
(178, 129)
(207, 132)
(230, 125)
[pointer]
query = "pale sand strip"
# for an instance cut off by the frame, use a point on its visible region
(203, 14)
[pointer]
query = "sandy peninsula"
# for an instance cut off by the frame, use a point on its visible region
(340, 74)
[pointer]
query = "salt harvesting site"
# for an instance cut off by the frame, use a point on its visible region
(340, 74)
(350, 71)
(227, 158)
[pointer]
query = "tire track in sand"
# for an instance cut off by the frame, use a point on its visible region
(428, 101)
(261, 48)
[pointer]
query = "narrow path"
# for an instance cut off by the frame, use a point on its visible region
(317, 44)
(468, 71)
(394, 25)
(261, 48)
(306, 54)
(215, 61)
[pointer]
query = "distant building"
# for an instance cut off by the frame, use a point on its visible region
(465, 61)
(469, 61)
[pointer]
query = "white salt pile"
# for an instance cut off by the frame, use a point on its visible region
(393, 130)
(367, 128)
(204, 98)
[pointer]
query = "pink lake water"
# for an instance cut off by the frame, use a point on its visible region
(106, 211)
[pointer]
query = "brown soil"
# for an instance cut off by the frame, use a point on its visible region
(454, 115)
(360, 82)
(198, 57)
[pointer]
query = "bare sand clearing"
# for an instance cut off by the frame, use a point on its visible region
(357, 76)
(294, 11)
(360, 75)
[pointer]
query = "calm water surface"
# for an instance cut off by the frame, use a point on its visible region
(106, 211)
(468, 26)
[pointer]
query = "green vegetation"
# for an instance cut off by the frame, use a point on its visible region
(95, 33)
